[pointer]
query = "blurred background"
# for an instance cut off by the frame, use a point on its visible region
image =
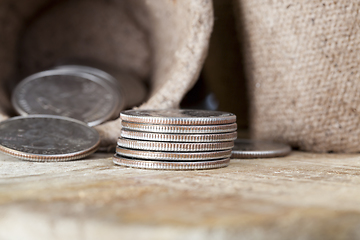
(222, 85)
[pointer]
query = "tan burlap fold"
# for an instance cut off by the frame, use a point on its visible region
(163, 42)
(303, 62)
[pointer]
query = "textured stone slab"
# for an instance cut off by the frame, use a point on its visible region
(302, 196)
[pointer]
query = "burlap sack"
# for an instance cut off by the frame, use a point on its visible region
(303, 72)
(163, 42)
(223, 71)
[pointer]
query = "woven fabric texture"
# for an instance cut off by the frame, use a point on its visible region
(302, 64)
(163, 42)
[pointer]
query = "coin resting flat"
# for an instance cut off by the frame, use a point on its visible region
(165, 137)
(244, 148)
(178, 117)
(173, 156)
(163, 165)
(173, 146)
(46, 138)
(194, 129)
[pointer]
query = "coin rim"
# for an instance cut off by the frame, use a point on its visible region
(157, 128)
(174, 146)
(163, 165)
(70, 72)
(48, 158)
(124, 115)
(286, 150)
(168, 137)
(173, 156)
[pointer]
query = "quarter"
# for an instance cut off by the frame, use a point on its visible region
(47, 138)
(178, 117)
(141, 127)
(162, 165)
(173, 146)
(173, 156)
(69, 93)
(244, 148)
(165, 137)
(128, 85)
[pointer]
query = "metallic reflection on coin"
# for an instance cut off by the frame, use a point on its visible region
(163, 165)
(174, 146)
(173, 156)
(244, 148)
(178, 128)
(165, 137)
(130, 86)
(46, 138)
(68, 93)
(178, 117)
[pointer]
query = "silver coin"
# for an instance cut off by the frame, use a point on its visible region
(46, 138)
(173, 156)
(244, 148)
(179, 128)
(129, 86)
(174, 146)
(104, 76)
(67, 93)
(166, 137)
(163, 165)
(178, 117)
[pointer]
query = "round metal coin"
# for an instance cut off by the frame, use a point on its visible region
(173, 156)
(47, 138)
(68, 93)
(244, 148)
(165, 137)
(178, 117)
(104, 76)
(178, 128)
(162, 165)
(133, 90)
(173, 146)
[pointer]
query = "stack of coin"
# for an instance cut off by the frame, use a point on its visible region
(175, 139)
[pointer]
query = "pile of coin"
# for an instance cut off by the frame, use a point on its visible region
(175, 139)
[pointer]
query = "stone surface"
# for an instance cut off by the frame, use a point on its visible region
(302, 196)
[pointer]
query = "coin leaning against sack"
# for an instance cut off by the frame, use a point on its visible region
(83, 93)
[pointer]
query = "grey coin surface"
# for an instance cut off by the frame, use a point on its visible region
(47, 138)
(245, 148)
(173, 156)
(174, 146)
(141, 127)
(178, 117)
(67, 93)
(103, 75)
(165, 165)
(169, 137)
(130, 86)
